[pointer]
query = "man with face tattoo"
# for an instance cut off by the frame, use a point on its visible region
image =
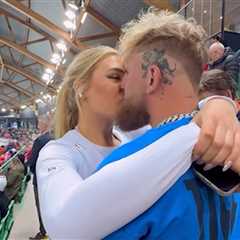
(164, 55)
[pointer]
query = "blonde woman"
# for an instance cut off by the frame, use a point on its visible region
(76, 202)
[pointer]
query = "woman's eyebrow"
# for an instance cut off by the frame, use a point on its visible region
(121, 70)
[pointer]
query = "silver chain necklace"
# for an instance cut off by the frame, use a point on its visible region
(177, 117)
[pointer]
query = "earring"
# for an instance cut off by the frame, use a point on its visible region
(80, 95)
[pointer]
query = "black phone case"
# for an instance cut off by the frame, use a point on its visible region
(225, 183)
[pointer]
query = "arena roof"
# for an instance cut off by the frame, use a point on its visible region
(38, 39)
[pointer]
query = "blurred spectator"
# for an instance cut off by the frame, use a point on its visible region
(224, 59)
(7, 135)
(15, 174)
(2, 150)
(216, 82)
(44, 127)
(4, 201)
(43, 123)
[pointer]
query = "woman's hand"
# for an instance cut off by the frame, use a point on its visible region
(219, 140)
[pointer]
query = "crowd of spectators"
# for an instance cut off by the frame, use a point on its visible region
(12, 141)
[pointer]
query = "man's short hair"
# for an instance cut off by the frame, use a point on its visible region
(182, 39)
(217, 82)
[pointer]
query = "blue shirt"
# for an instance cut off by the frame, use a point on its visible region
(189, 210)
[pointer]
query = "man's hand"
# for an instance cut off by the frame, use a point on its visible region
(219, 140)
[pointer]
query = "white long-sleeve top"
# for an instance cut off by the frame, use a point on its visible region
(77, 203)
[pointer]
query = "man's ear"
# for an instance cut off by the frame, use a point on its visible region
(153, 79)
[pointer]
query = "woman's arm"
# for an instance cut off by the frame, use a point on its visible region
(93, 208)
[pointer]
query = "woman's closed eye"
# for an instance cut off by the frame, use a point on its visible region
(115, 76)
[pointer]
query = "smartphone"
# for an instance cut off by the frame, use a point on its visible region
(224, 183)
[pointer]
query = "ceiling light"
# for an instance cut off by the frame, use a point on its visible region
(23, 106)
(38, 100)
(69, 25)
(61, 46)
(56, 58)
(49, 71)
(47, 96)
(11, 110)
(55, 55)
(84, 17)
(205, 11)
(3, 110)
(73, 6)
(55, 61)
(46, 77)
(70, 14)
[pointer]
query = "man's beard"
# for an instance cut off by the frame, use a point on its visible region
(132, 116)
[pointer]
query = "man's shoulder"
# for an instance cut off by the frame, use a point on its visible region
(173, 132)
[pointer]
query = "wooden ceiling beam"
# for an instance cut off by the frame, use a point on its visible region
(102, 20)
(97, 36)
(34, 41)
(80, 17)
(44, 22)
(27, 24)
(8, 102)
(63, 4)
(29, 75)
(17, 88)
(10, 28)
(29, 65)
(29, 54)
(13, 99)
(11, 54)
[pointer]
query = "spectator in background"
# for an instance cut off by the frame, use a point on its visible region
(44, 123)
(224, 59)
(217, 82)
(7, 135)
(4, 201)
(2, 150)
(15, 175)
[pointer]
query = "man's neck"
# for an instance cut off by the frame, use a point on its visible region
(169, 107)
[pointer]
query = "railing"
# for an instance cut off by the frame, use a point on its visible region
(8, 162)
(6, 223)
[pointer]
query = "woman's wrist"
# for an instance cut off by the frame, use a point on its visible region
(202, 103)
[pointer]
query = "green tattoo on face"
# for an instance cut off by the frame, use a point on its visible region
(158, 58)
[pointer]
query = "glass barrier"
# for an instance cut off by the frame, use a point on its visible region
(232, 18)
(208, 13)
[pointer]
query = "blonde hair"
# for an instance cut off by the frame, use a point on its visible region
(180, 38)
(81, 68)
